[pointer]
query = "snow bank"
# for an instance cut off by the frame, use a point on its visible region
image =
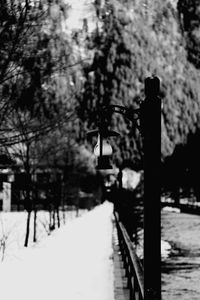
(165, 249)
(171, 209)
(130, 178)
(74, 263)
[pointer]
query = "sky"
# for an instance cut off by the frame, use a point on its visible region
(74, 263)
(81, 9)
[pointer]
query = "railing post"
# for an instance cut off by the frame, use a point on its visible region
(151, 130)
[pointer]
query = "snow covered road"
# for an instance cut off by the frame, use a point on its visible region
(74, 263)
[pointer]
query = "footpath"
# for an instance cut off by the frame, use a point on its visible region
(74, 263)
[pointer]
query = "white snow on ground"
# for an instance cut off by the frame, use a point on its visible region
(74, 263)
(13, 228)
(171, 209)
(165, 249)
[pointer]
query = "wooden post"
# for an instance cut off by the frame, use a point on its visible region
(151, 131)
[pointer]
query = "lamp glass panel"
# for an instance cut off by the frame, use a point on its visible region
(106, 148)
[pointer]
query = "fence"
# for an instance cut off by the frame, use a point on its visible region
(132, 264)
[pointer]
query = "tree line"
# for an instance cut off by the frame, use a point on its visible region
(38, 89)
(51, 93)
(134, 42)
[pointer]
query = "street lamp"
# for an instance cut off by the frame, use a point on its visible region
(103, 150)
(106, 147)
(103, 153)
(150, 129)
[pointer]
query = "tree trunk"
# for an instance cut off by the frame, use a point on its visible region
(27, 229)
(63, 204)
(58, 215)
(63, 212)
(54, 218)
(28, 194)
(50, 219)
(35, 226)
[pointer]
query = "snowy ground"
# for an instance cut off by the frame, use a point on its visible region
(13, 228)
(74, 263)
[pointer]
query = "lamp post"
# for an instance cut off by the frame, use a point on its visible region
(150, 120)
(150, 129)
(103, 149)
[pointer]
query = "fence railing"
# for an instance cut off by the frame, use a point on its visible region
(133, 267)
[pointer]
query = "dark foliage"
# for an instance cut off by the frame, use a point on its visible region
(190, 23)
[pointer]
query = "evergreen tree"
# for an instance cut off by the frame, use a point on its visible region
(132, 44)
(190, 23)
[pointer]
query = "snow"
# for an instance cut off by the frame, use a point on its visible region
(130, 178)
(165, 249)
(171, 209)
(73, 263)
(13, 227)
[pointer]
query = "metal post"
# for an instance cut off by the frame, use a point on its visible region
(151, 129)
